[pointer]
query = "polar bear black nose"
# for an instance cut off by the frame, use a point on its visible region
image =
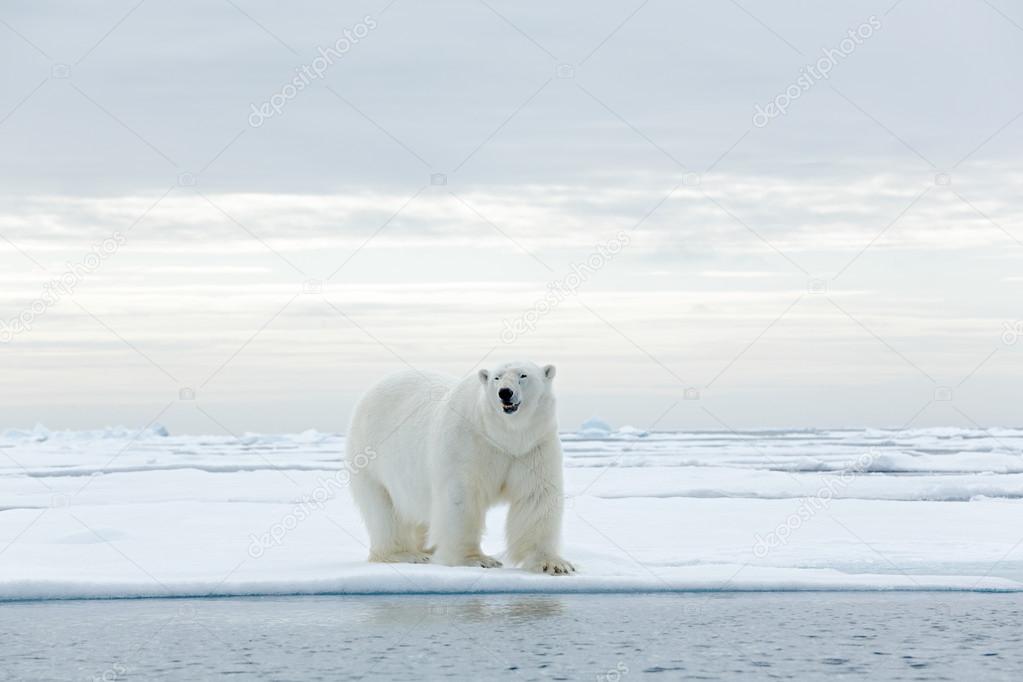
(505, 394)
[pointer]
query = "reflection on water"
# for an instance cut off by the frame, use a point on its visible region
(429, 611)
(718, 636)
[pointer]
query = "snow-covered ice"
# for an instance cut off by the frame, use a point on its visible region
(119, 513)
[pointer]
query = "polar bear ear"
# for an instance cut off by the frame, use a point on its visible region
(549, 371)
(484, 376)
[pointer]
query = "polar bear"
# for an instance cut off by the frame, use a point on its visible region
(429, 455)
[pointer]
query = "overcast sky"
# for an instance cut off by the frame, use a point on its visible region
(746, 214)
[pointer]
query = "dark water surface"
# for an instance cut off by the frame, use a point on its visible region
(611, 638)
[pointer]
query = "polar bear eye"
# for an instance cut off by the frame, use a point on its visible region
(523, 376)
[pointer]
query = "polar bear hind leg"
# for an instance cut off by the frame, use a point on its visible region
(391, 539)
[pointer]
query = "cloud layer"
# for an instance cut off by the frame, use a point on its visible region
(453, 171)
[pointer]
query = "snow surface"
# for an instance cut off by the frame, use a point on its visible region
(119, 513)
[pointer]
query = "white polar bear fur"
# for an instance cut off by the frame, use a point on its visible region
(430, 454)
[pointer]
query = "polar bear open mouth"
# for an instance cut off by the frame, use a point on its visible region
(510, 409)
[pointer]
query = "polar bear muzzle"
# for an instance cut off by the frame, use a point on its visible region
(508, 403)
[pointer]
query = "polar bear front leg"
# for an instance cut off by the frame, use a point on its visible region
(534, 518)
(457, 527)
(534, 529)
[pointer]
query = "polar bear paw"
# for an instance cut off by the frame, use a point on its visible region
(484, 561)
(402, 558)
(481, 560)
(553, 565)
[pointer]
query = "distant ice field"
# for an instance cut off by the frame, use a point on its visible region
(120, 513)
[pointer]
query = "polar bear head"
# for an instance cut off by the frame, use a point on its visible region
(518, 388)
